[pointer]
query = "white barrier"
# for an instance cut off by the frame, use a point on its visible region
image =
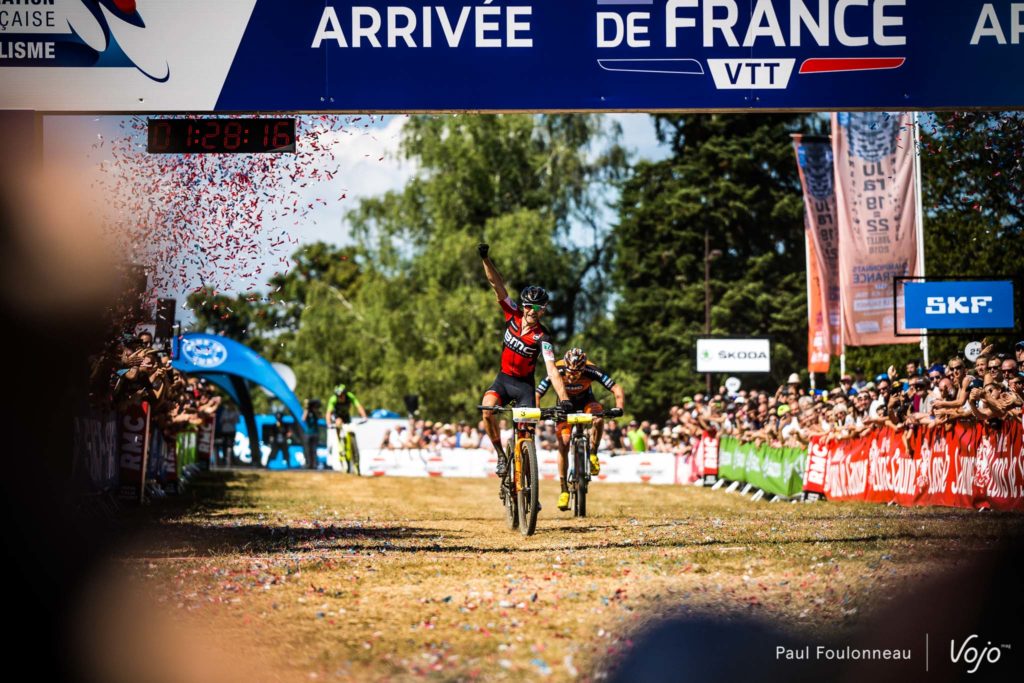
(631, 468)
(628, 468)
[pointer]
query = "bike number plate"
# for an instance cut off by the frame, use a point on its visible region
(579, 418)
(526, 414)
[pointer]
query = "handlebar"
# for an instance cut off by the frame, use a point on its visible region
(545, 413)
(550, 413)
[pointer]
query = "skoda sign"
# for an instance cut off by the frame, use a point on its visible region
(959, 304)
(733, 355)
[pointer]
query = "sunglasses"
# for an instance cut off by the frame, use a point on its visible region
(534, 307)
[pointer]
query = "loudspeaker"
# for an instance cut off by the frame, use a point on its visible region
(165, 310)
(412, 403)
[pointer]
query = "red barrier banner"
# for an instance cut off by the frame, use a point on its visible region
(204, 441)
(964, 465)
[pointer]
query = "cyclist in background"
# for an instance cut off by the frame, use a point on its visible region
(525, 339)
(578, 373)
(339, 413)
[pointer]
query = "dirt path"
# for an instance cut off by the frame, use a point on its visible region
(328, 576)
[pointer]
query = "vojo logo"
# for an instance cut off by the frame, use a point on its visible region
(205, 353)
(951, 305)
(973, 654)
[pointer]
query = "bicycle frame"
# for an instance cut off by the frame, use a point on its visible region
(581, 423)
(525, 420)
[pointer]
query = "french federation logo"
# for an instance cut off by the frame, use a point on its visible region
(205, 353)
(80, 33)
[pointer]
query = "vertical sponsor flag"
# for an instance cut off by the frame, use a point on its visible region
(817, 177)
(876, 210)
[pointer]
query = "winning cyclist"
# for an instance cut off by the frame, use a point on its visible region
(339, 413)
(578, 374)
(525, 340)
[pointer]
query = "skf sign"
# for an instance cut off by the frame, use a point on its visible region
(952, 305)
(959, 304)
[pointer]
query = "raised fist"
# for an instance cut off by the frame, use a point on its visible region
(483, 249)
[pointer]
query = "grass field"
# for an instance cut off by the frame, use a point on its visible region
(302, 576)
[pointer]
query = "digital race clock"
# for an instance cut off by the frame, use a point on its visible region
(220, 136)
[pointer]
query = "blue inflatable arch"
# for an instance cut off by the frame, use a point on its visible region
(232, 367)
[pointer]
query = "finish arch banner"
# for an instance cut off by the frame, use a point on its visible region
(499, 55)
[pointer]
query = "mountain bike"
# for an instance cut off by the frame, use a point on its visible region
(348, 448)
(520, 487)
(578, 477)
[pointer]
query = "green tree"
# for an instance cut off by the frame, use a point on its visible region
(734, 178)
(268, 321)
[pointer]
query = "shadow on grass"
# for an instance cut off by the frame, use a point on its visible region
(220, 497)
(187, 540)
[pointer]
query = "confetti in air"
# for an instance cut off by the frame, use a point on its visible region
(219, 221)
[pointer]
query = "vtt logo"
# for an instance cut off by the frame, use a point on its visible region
(973, 654)
(954, 305)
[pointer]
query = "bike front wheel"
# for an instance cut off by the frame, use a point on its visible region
(582, 458)
(529, 492)
(508, 492)
(354, 454)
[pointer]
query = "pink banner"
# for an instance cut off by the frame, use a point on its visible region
(706, 458)
(133, 441)
(817, 461)
(817, 177)
(204, 441)
(876, 211)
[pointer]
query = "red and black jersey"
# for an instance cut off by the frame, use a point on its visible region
(520, 351)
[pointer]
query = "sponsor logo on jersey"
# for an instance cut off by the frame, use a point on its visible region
(518, 345)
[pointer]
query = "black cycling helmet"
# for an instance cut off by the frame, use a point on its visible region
(575, 359)
(534, 295)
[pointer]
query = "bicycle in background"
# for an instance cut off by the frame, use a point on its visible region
(578, 477)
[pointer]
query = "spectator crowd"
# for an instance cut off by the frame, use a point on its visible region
(990, 389)
(132, 371)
